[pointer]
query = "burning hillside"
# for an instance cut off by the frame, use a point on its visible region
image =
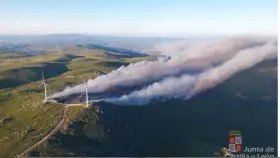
(164, 78)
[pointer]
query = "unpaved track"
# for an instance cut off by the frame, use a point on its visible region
(50, 133)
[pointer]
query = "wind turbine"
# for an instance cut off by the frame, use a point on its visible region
(86, 92)
(45, 87)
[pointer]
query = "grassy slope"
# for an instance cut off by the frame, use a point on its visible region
(197, 127)
(23, 99)
(134, 131)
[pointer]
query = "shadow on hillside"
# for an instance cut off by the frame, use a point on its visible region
(21, 76)
(196, 127)
(200, 125)
(114, 64)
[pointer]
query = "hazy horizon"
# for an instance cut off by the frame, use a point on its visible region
(147, 36)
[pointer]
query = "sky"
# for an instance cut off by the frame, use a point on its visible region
(139, 17)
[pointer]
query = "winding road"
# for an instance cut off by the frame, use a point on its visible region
(51, 132)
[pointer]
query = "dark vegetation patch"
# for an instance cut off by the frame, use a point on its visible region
(10, 83)
(34, 154)
(17, 77)
(114, 64)
(115, 55)
(195, 127)
(68, 58)
(116, 50)
(198, 126)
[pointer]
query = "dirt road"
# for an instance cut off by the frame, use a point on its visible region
(51, 132)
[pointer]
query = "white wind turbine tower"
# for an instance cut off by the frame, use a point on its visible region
(86, 92)
(45, 87)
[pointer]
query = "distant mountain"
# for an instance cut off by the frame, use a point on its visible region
(62, 39)
(19, 48)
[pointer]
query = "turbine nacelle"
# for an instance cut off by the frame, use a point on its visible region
(85, 84)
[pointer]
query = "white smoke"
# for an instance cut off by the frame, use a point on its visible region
(236, 54)
(189, 85)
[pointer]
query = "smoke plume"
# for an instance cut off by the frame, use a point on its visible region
(186, 85)
(169, 77)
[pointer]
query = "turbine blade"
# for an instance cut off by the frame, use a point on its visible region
(83, 81)
(43, 76)
(40, 85)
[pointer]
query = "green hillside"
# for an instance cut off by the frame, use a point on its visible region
(21, 98)
(196, 127)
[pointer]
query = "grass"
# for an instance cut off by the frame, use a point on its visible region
(204, 119)
(15, 138)
(29, 111)
(21, 97)
(80, 127)
(197, 127)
